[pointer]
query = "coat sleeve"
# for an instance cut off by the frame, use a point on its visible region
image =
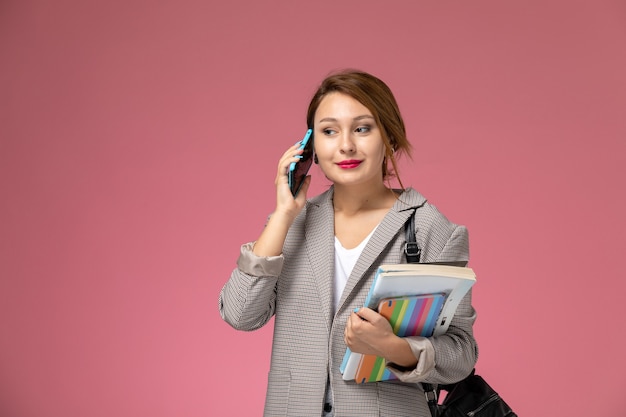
(248, 299)
(456, 351)
(450, 357)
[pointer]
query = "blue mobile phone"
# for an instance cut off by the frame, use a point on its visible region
(298, 170)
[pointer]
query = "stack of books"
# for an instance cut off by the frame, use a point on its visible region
(418, 300)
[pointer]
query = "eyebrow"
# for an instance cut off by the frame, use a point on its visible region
(332, 119)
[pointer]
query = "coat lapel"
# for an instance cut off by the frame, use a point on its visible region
(320, 247)
(391, 224)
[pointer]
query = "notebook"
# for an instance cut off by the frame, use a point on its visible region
(409, 316)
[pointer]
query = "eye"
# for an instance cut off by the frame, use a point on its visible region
(363, 129)
(329, 131)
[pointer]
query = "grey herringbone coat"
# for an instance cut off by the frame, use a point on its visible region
(308, 346)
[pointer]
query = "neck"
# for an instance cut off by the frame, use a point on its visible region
(351, 200)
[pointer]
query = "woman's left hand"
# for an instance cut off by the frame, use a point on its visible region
(368, 332)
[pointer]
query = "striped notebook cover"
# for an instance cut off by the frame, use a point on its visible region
(409, 316)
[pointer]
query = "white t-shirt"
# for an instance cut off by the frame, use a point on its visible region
(345, 259)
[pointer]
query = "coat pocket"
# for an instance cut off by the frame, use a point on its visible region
(277, 399)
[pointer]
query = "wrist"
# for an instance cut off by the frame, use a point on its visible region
(284, 216)
(400, 353)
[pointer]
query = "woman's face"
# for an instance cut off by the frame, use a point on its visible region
(348, 143)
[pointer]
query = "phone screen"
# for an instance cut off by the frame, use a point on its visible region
(298, 170)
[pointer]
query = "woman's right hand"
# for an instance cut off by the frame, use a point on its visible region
(271, 241)
(286, 204)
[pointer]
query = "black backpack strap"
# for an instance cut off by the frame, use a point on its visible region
(411, 249)
(431, 397)
(413, 254)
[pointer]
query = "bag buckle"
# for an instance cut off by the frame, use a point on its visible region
(412, 250)
(431, 396)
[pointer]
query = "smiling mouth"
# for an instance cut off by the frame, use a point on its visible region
(349, 164)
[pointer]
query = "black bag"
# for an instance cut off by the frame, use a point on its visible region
(471, 397)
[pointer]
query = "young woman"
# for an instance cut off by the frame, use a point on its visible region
(315, 260)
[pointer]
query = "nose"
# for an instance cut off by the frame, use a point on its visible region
(347, 142)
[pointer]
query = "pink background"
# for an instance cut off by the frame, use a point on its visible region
(138, 145)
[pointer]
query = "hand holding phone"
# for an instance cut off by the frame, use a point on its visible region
(298, 170)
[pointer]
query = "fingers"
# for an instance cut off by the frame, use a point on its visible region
(285, 201)
(366, 331)
(367, 314)
(355, 334)
(290, 156)
(348, 332)
(355, 326)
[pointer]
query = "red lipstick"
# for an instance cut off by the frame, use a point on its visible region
(349, 164)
